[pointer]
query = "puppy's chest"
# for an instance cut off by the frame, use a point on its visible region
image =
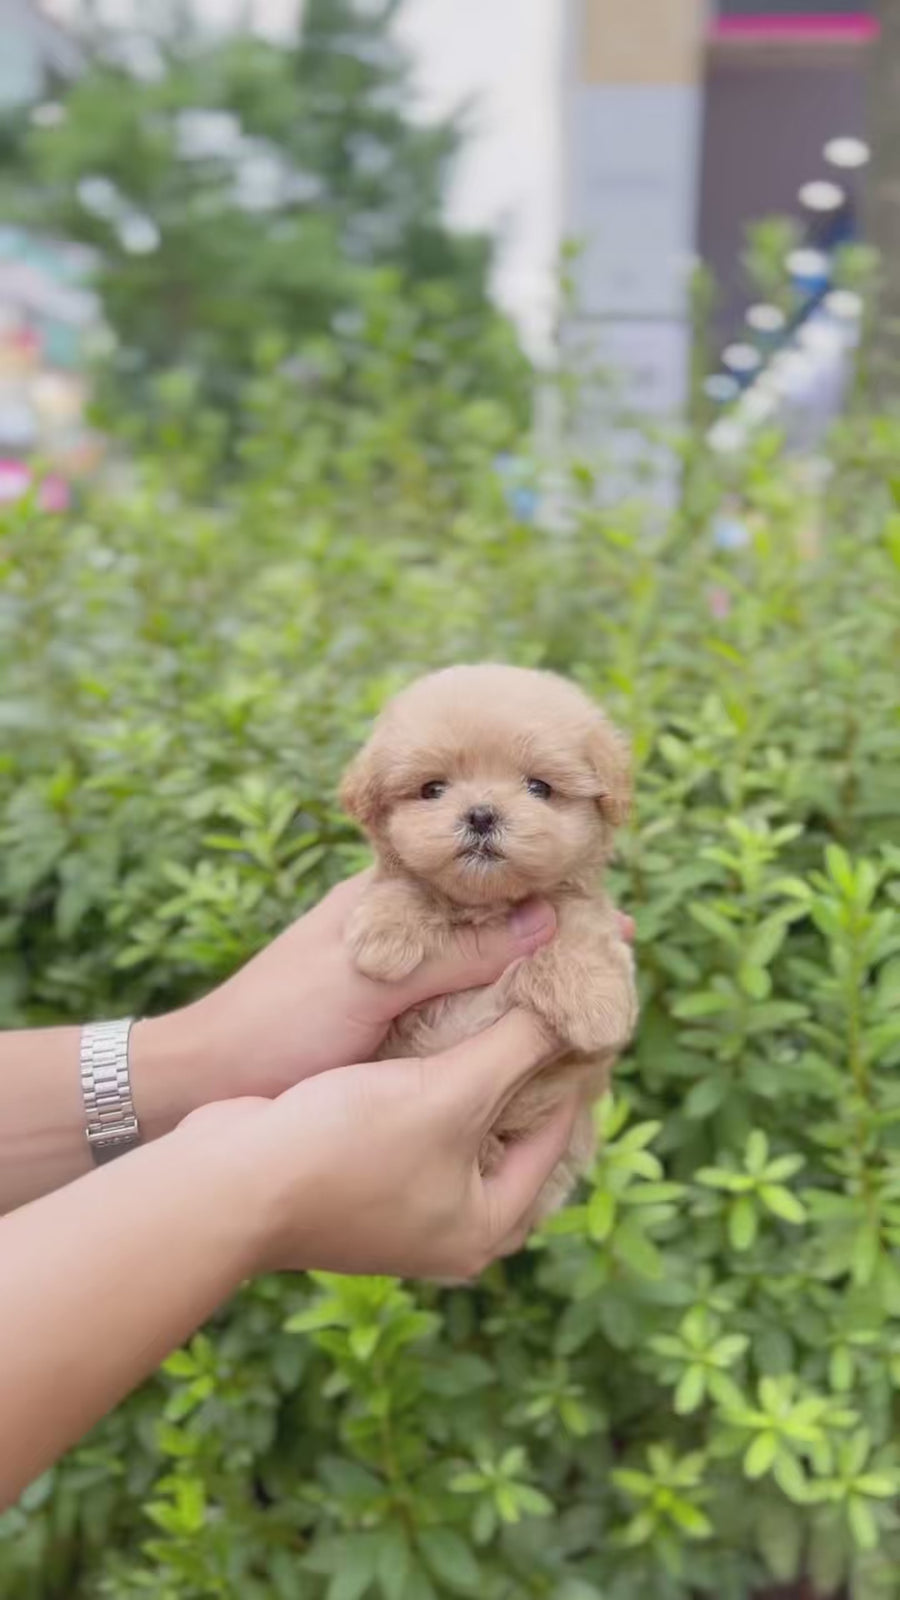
(439, 1024)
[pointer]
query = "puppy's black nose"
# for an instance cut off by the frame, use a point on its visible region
(482, 819)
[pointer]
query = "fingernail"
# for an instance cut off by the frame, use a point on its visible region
(532, 918)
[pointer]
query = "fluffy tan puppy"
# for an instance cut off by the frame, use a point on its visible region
(479, 787)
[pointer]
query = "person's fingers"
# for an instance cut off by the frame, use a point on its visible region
(512, 1190)
(517, 1240)
(482, 1073)
(477, 956)
(626, 926)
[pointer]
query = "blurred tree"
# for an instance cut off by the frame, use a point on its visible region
(235, 188)
(883, 199)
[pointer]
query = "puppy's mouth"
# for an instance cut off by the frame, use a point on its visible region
(480, 851)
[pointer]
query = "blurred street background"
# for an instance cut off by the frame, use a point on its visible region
(665, 142)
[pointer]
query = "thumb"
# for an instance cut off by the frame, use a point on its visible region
(510, 1192)
(477, 956)
(478, 1077)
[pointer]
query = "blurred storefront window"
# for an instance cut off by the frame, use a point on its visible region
(47, 312)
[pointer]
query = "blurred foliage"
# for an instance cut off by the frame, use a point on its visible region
(234, 186)
(768, 242)
(689, 1387)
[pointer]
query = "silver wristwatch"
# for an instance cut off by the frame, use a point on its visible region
(111, 1126)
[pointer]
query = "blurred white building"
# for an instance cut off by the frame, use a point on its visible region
(35, 52)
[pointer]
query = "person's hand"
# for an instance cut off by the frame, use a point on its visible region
(300, 1007)
(374, 1168)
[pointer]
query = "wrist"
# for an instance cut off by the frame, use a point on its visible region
(168, 1068)
(267, 1189)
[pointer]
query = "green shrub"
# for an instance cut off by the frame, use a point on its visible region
(690, 1386)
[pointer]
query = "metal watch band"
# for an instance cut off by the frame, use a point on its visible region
(111, 1126)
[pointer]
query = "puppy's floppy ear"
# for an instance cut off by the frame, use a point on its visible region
(610, 758)
(362, 791)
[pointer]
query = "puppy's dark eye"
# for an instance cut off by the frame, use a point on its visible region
(537, 787)
(433, 789)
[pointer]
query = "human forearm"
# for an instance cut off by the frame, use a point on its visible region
(371, 1168)
(298, 1008)
(101, 1281)
(42, 1119)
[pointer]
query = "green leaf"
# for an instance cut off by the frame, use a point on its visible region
(638, 1137)
(707, 1003)
(507, 1503)
(715, 923)
(789, 1476)
(324, 1315)
(694, 1522)
(467, 1483)
(840, 869)
(863, 1526)
(180, 1364)
(757, 1153)
(349, 1480)
(720, 1178)
(742, 1223)
(784, 1167)
(532, 1502)
(484, 1522)
(690, 1391)
(705, 1097)
(38, 1492)
(770, 1016)
(730, 1348)
(450, 1559)
(578, 1324)
(761, 1455)
(191, 1504)
(766, 942)
(175, 1441)
(653, 1194)
(878, 1485)
(357, 1571)
(782, 1203)
(636, 1484)
(575, 1418)
(601, 1215)
(637, 1253)
(364, 1342)
(866, 1249)
(754, 981)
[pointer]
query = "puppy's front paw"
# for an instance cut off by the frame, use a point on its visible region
(599, 1022)
(386, 954)
(589, 1006)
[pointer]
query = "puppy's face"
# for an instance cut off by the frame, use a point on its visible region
(491, 783)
